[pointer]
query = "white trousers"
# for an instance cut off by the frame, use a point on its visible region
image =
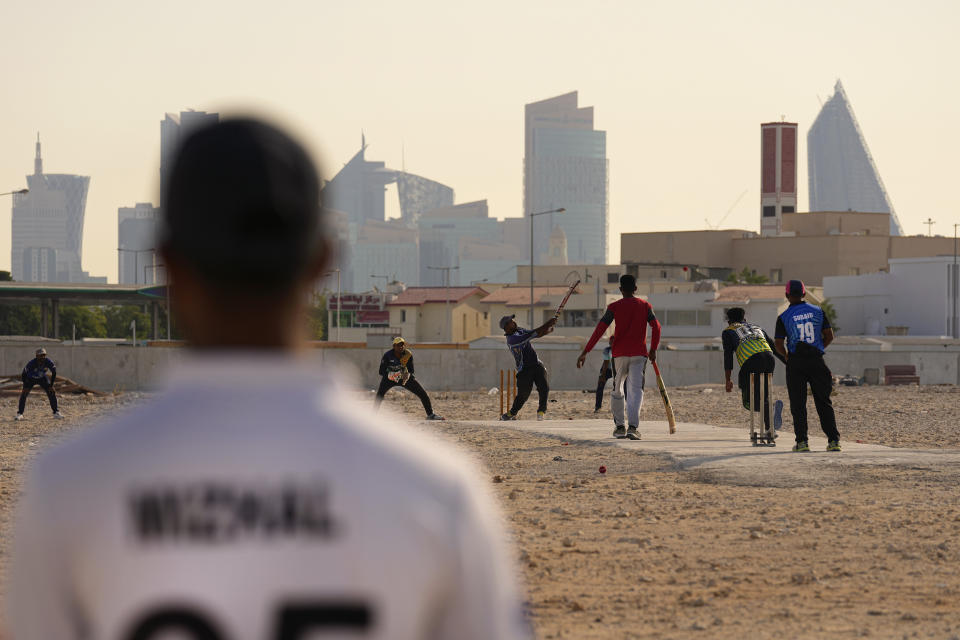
(631, 371)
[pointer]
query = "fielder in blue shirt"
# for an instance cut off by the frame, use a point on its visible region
(803, 333)
(39, 371)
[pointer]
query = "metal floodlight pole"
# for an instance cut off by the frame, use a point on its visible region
(538, 213)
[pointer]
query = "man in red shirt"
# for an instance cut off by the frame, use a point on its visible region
(631, 315)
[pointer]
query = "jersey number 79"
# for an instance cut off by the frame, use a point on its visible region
(805, 332)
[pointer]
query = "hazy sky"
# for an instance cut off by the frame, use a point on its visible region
(680, 88)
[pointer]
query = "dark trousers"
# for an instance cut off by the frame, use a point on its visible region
(611, 372)
(45, 384)
(761, 363)
(801, 371)
(412, 385)
(601, 384)
(531, 375)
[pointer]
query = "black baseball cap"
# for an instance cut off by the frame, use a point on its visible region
(242, 206)
(505, 319)
(796, 288)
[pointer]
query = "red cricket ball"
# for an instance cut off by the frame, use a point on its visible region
(603, 469)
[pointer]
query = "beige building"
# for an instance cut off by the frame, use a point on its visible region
(811, 247)
(439, 314)
(578, 318)
(515, 300)
(604, 278)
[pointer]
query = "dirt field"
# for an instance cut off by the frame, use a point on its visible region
(648, 551)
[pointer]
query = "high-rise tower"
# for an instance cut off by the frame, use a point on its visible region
(173, 129)
(47, 227)
(565, 165)
(778, 174)
(841, 173)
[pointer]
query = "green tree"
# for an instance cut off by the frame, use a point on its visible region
(317, 317)
(90, 322)
(831, 313)
(19, 319)
(746, 276)
(5, 276)
(118, 319)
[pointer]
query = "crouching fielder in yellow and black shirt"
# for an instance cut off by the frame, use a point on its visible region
(753, 347)
(396, 370)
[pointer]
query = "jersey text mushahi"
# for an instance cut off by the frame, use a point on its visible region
(221, 512)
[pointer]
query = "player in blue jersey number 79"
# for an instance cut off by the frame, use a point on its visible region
(803, 333)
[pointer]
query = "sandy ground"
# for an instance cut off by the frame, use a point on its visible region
(650, 551)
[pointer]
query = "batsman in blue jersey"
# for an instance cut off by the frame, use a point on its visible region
(803, 333)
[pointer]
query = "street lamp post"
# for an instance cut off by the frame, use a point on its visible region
(539, 213)
(446, 280)
(337, 271)
(956, 285)
(166, 288)
(386, 281)
(339, 295)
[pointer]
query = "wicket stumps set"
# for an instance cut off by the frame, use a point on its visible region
(510, 375)
(764, 437)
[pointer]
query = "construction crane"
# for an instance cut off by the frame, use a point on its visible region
(735, 202)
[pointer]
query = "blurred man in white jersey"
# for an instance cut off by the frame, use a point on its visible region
(255, 498)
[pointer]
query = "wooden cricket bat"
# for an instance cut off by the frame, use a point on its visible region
(666, 400)
(563, 302)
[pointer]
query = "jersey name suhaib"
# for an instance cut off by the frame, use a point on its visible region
(803, 324)
(257, 500)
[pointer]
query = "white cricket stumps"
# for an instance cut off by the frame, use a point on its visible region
(764, 437)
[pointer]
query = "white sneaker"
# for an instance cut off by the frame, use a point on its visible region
(19, 416)
(540, 416)
(58, 415)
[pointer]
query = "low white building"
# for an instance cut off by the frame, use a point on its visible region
(917, 297)
(702, 314)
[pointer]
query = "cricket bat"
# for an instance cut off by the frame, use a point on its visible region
(563, 302)
(666, 400)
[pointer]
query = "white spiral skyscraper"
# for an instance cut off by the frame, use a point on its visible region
(842, 175)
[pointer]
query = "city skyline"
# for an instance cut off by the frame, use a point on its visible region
(679, 91)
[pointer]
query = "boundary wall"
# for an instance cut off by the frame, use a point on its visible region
(126, 368)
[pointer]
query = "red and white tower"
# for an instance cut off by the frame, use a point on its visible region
(778, 174)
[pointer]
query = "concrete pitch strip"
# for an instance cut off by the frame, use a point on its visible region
(726, 453)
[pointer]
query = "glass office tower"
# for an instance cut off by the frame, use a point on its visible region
(565, 165)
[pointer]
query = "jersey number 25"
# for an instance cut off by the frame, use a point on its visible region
(293, 622)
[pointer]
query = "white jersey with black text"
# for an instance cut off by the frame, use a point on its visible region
(256, 499)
